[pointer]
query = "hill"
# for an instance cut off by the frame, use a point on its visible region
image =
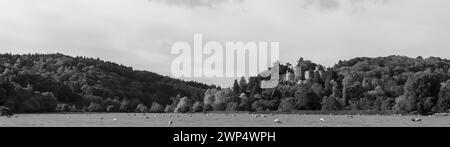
(30, 83)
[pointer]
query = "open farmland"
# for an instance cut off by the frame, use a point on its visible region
(217, 120)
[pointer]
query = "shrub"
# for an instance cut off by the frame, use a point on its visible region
(184, 105)
(207, 107)
(93, 98)
(63, 108)
(4, 111)
(126, 106)
(259, 105)
(210, 96)
(219, 106)
(287, 104)
(111, 108)
(330, 104)
(109, 102)
(169, 109)
(156, 108)
(94, 107)
(387, 104)
(197, 107)
(232, 107)
(273, 104)
(245, 104)
(48, 102)
(141, 108)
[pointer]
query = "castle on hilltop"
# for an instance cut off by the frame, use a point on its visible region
(291, 75)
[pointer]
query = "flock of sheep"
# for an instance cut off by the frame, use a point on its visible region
(172, 117)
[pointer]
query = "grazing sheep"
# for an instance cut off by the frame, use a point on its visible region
(115, 119)
(277, 121)
(416, 119)
(322, 120)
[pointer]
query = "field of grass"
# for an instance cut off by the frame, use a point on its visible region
(217, 120)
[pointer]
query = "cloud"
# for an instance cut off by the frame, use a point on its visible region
(328, 5)
(196, 3)
(140, 33)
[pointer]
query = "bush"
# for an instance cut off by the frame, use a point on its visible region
(94, 107)
(141, 108)
(184, 105)
(109, 102)
(111, 108)
(306, 99)
(207, 108)
(232, 107)
(48, 102)
(197, 107)
(388, 104)
(219, 107)
(273, 104)
(287, 105)
(5, 111)
(156, 108)
(259, 105)
(126, 106)
(330, 104)
(94, 99)
(246, 103)
(63, 108)
(169, 109)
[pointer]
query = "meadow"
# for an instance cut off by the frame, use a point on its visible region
(218, 120)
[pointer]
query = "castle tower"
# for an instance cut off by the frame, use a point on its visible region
(298, 73)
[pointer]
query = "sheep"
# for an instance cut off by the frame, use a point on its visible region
(170, 122)
(416, 119)
(322, 120)
(277, 121)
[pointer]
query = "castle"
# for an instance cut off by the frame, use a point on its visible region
(292, 76)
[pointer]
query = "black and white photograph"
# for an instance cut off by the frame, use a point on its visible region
(232, 64)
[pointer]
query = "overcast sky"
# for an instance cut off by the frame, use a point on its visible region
(139, 33)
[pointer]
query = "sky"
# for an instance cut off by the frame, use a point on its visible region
(140, 33)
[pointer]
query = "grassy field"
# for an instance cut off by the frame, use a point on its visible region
(216, 120)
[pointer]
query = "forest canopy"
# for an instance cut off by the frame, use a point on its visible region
(55, 82)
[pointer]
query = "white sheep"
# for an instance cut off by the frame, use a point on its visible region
(277, 121)
(322, 120)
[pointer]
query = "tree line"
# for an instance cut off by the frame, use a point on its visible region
(54, 82)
